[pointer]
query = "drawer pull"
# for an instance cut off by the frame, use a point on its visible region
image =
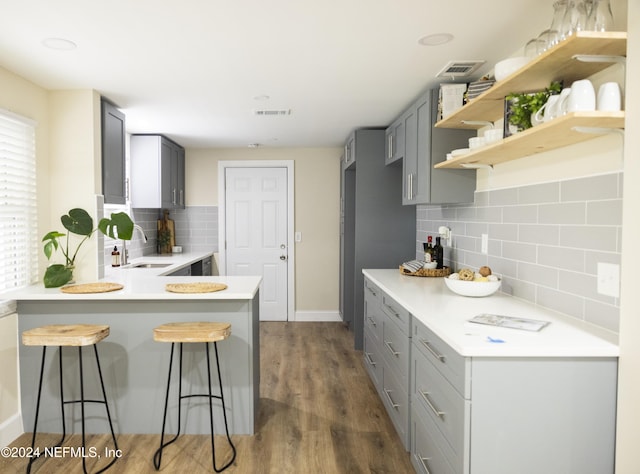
(369, 359)
(423, 461)
(371, 291)
(388, 394)
(434, 353)
(390, 308)
(372, 321)
(391, 349)
(425, 396)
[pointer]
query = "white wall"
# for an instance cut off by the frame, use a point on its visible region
(629, 370)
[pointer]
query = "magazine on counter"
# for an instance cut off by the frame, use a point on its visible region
(509, 322)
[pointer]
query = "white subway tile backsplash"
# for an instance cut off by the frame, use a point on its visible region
(545, 241)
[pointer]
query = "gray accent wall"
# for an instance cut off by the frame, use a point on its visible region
(545, 241)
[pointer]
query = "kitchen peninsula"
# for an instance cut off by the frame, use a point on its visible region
(134, 366)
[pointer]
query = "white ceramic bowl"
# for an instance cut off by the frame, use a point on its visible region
(473, 288)
(506, 67)
(430, 265)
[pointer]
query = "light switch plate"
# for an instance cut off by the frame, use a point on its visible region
(298, 236)
(484, 244)
(609, 279)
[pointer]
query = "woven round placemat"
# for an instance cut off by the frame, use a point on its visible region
(92, 288)
(201, 287)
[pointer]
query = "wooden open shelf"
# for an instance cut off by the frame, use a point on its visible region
(548, 136)
(556, 64)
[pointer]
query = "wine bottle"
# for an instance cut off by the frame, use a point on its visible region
(438, 252)
(428, 250)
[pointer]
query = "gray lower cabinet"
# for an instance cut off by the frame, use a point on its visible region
(387, 357)
(477, 415)
(506, 415)
(114, 187)
(157, 172)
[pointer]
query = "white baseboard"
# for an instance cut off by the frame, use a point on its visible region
(10, 429)
(317, 316)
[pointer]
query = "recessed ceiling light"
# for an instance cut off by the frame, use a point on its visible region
(436, 39)
(60, 44)
(261, 97)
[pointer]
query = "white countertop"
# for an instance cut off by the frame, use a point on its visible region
(149, 283)
(447, 314)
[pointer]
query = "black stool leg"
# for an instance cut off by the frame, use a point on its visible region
(157, 457)
(224, 410)
(106, 405)
(84, 467)
(35, 422)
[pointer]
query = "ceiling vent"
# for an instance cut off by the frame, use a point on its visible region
(460, 68)
(271, 112)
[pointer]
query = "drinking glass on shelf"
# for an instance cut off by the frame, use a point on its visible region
(575, 18)
(534, 47)
(600, 18)
(552, 35)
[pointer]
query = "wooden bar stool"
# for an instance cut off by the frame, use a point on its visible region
(73, 335)
(192, 332)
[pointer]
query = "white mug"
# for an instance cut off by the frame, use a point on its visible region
(609, 97)
(582, 97)
(561, 104)
(550, 109)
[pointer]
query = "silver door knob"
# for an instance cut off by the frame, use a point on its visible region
(283, 257)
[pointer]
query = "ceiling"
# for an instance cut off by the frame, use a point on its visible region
(197, 70)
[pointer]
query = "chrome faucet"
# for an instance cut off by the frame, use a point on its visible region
(125, 251)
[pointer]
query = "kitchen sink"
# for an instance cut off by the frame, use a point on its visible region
(151, 265)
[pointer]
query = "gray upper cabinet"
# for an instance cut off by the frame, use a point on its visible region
(426, 146)
(113, 155)
(394, 141)
(350, 150)
(157, 173)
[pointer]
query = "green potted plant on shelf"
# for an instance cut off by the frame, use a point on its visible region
(80, 223)
(522, 106)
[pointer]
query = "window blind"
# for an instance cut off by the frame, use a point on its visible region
(18, 206)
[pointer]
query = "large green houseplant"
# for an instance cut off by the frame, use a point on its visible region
(80, 223)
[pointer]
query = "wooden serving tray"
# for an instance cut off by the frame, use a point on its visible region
(201, 287)
(427, 272)
(91, 288)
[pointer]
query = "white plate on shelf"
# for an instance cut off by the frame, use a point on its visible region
(459, 152)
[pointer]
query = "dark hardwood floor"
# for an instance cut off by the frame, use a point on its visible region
(319, 413)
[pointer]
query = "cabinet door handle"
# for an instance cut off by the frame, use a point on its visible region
(390, 147)
(423, 462)
(388, 394)
(425, 396)
(372, 321)
(182, 197)
(173, 196)
(369, 359)
(391, 349)
(435, 354)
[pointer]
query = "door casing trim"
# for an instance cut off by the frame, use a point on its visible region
(222, 247)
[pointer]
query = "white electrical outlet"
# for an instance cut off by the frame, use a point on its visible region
(484, 244)
(609, 279)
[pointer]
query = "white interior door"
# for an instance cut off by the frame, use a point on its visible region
(256, 233)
